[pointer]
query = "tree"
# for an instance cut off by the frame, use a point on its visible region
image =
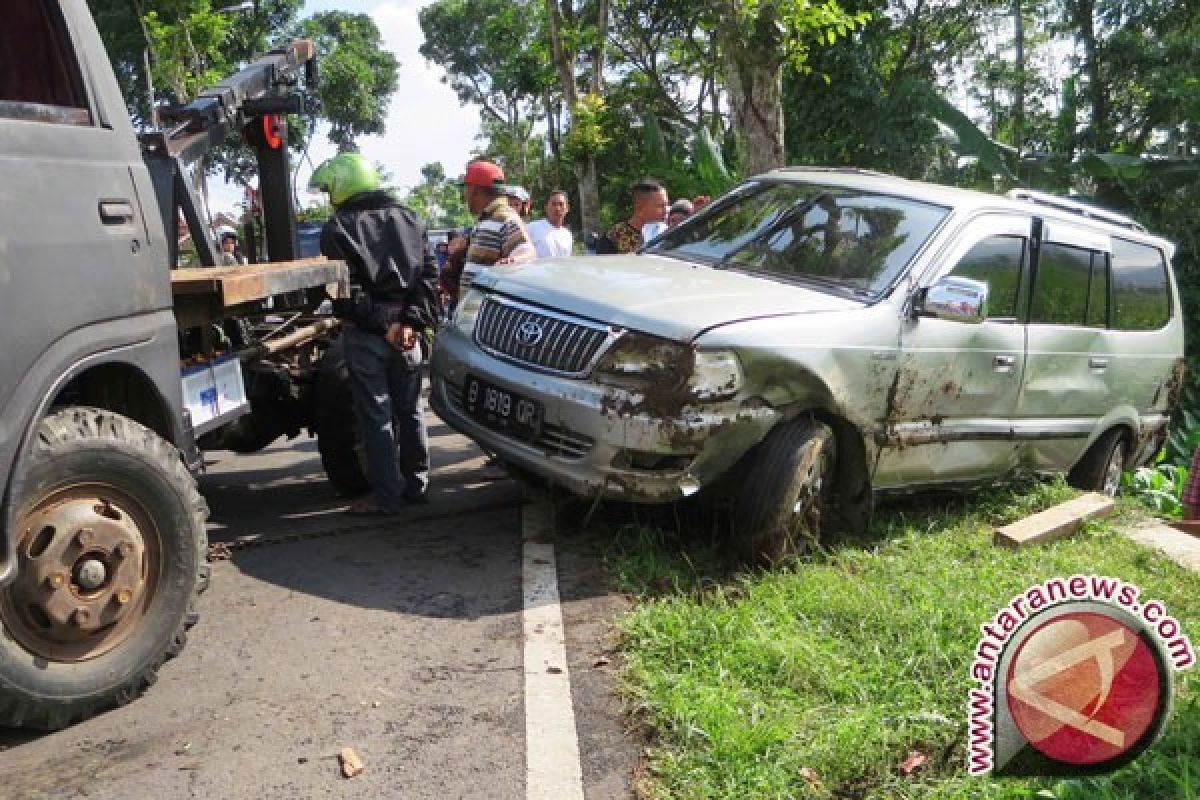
(578, 33)
(438, 200)
(358, 75)
(757, 39)
(494, 57)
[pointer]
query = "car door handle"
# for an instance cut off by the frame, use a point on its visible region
(116, 212)
(1004, 362)
(1098, 363)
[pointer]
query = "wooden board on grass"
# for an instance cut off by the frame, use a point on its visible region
(1055, 523)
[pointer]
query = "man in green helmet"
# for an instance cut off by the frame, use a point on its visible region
(395, 299)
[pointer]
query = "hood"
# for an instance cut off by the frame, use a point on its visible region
(654, 294)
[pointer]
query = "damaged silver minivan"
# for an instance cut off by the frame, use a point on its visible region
(817, 336)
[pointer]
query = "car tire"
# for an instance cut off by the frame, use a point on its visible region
(787, 486)
(335, 425)
(1100, 468)
(112, 534)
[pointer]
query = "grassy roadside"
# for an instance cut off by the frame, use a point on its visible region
(820, 679)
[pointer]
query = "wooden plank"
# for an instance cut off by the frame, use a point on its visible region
(232, 286)
(1058, 522)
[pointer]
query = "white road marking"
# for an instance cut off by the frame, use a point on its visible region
(552, 770)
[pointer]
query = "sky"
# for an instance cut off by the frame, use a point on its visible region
(425, 121)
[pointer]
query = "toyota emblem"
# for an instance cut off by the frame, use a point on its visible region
(529, 333)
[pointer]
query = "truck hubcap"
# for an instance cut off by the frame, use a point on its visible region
(88, 564)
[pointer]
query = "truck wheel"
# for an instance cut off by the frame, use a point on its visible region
(110, 557)
(786, 488)
(1100, 468)
(337, 432)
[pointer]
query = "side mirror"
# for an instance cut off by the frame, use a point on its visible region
(954, 300)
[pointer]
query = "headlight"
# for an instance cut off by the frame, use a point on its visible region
(467, 310)
(638, 362)
(717, 374)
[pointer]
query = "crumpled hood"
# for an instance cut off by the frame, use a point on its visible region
(653, 294)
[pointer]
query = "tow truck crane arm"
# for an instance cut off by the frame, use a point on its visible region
(255, 100)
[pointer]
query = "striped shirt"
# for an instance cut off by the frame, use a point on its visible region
(498, 234)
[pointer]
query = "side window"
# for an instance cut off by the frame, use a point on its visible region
(1061, 291)
(1141, 301)
(1097, 304)
(39, 76)
(998, 262)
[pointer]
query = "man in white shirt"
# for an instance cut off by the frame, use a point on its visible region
(550, 236)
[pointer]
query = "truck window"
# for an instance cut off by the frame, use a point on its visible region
(1061, 290)
(1141, 301)
(997, 261)
(39, 76)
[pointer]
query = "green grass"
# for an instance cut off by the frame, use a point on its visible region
(844, 664)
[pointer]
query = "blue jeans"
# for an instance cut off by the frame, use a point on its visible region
(387, 398)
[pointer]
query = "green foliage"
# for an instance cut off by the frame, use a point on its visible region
(588, 136)
(1159, 487)
(838, 667)
(358, 76)
(438, 200)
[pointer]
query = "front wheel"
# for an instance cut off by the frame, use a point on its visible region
(786, 490)
(110, 557)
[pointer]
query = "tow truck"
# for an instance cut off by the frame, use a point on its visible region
(119, 365)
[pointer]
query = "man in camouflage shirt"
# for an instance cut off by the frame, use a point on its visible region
(650, 204)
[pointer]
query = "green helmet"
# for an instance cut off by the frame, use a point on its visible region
(344, 176)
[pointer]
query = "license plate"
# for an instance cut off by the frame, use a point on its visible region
(502, 410)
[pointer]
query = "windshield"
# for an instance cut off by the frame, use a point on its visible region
(850, 238)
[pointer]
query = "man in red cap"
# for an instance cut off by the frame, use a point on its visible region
(499, 236)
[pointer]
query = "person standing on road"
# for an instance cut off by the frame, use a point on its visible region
(649, 216)
(385, 248)
(499, 235)
(551, 237)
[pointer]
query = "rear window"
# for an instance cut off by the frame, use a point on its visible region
(849, 240)
(1141, 299)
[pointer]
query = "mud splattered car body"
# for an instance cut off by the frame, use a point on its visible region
(939, 335)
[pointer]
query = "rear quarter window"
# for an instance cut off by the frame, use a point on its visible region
(1141, 298)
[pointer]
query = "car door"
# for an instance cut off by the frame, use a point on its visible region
(1068, 386)
(73, 243)
(951, 407)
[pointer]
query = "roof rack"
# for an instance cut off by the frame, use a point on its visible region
(1075, 207)
(844, 170)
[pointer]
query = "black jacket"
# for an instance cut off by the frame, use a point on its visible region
(383, 244)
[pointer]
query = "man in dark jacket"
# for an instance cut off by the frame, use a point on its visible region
(395, 301)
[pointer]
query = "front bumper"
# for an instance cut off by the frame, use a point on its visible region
(594, 440)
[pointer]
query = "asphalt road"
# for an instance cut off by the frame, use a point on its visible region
(400, 639)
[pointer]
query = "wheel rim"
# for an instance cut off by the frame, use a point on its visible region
(88, 568)
(1112, 472)
(806, 511)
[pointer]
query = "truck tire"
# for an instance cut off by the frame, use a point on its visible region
(336, 429)
(110, 559)
(1100, 468)
(789, 482)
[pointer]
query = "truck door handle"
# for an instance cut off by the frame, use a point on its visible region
(1004, 362)
(1098, 363)
(116, 212)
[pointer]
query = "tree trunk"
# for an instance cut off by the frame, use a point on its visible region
(756, 100)
(1099, 131)
(564, 62)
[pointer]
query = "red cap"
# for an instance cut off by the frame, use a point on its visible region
(483, 173)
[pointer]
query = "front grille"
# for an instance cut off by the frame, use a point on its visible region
(554, 440)
(567, 347)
